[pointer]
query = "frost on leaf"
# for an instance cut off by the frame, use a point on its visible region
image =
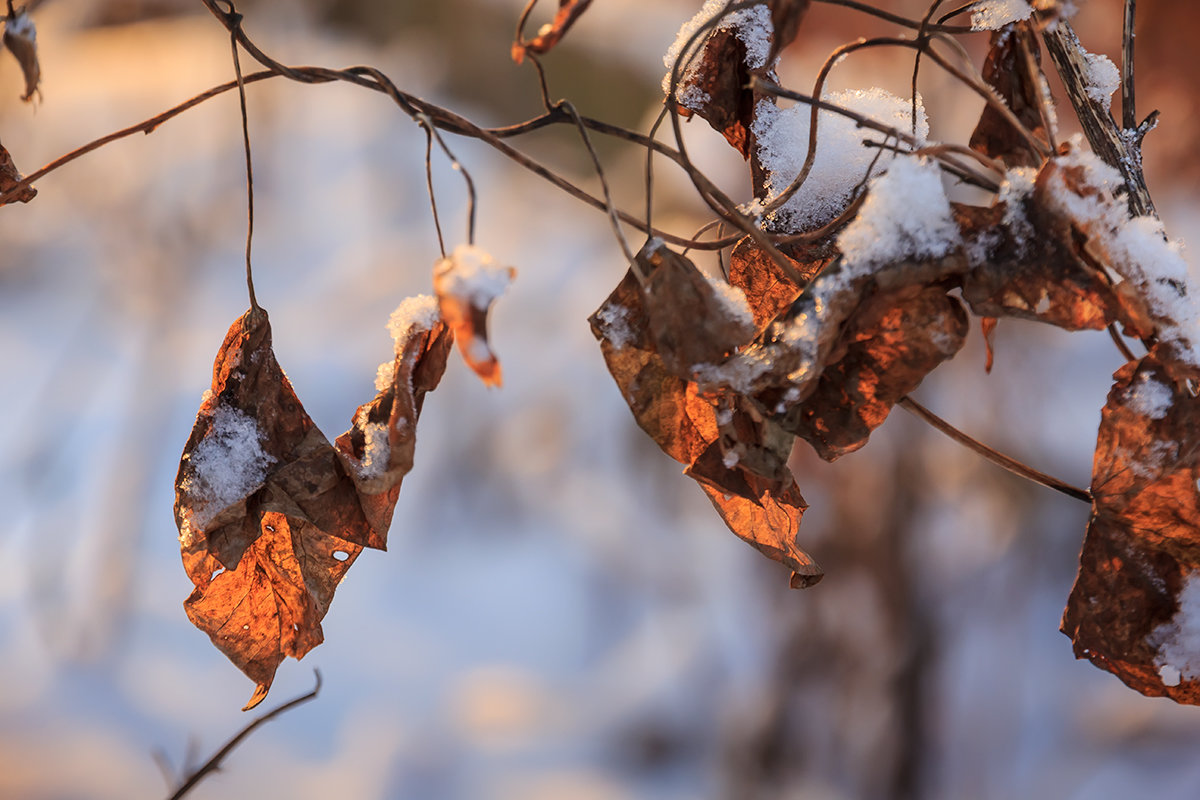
(1020, 85)
(1133, 610)
(738, 457)
(10, 177)
(270, 514)
(467, 282)
(549, 35)
(20, 37)
(714, 72)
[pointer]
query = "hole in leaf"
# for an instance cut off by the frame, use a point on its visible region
(216, 572)
(340, 555)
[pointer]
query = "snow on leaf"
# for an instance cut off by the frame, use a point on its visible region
(739, 458)
(20, 37)
(549, 35)
(1133, 609)
(10, 177)
(1008, 72)
(467, 282)
(842, 162)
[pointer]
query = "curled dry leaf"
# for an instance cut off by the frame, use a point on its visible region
(767, 289)
(786, 16)
(738, 457)
(1020, 85)
(569, 12)
(270, 514)
(20, 37)
(467, 282)
(677, 296)
(10, 177)
(1135, 607)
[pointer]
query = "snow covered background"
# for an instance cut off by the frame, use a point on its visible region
(561, 614)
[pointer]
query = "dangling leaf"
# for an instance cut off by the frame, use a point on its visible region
(1020, 85)
(1135, 607)
(569, 12)
(467, 283)
(20, 37)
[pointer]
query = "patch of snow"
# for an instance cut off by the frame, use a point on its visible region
(376, 451)
(906, 216)
(841, 161)
(1150, 397)
(751, 25)
(414, 313)
(1103, 77)
(615, 323)
(1178, 642)
(733, 300)
(227, 465)
(470, 273)
(995, 14)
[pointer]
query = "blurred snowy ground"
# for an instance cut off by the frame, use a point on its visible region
(561, 614)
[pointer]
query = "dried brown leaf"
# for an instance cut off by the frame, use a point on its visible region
(716, 89)
(890, 343)
(786, 16)
(467, 282)
(739, 458)
(20, 37)
(10, 176)
(768, 290)
(694, 320)
(1007, 70)
(568, 13)
(270, 514)
(1126, 613)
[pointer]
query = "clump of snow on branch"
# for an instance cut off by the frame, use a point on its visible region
(994, 15)
(751, 25)
(841, 161)
(1136, 248)
(1178, 641)
(1103, 77)
(418, 313)
(906, 216)
(227, 465)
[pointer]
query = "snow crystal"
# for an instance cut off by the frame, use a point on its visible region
(841, 159)
(376, 450)
(226, 466)
(1178, 641)
(1150, 397)
(1102, 77)
(995, 14)
(751, 25)
(906, 215)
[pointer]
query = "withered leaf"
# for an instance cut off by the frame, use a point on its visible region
(987, 326)
(693, 319)
(892, 341)
(1008, 71)
(786, 16)
(724, 442)
(768, 290)
(20, 37)
(270, 514)
(568, 12)
(10, 177)
(1127, 612)
(467, 282)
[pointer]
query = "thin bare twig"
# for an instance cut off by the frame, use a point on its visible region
(996, 457)
(214, 763)
(241, 85)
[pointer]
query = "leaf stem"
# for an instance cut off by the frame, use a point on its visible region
(996, 457)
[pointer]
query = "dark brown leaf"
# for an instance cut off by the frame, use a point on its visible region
(693, 320)
(1131, 611)
(786, 16)
(1008, 71)
(467, 283)
(20, 37)
(10, 177)
(569, 12)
